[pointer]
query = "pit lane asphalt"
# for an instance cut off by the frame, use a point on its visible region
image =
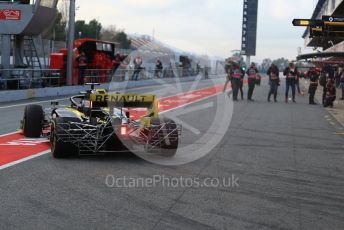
(289, 160)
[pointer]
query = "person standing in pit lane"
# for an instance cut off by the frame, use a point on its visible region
(313, 84)
(342, 83)
(123, 67)
(137, 68)
(82, 64)
(322, 82)
(337, 77)
(329, 70)
(241, 86)
(327, 74)
(236, 74)
(158, 72)
(206, 71)
(116, 63)
(258, 79)
(297, 84)
(330, 93)
(274, 81)
(252, 73)
(228, 70)
(290, 74)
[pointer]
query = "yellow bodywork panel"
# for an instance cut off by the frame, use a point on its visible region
(77, 112)
(148, 101)
(122, 98)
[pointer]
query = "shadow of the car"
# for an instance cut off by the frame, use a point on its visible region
(114, 156)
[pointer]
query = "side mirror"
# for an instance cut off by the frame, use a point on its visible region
(127, 114)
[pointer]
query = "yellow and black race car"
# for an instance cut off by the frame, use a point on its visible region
(98, 122)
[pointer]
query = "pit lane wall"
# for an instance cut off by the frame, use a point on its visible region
(15, 95)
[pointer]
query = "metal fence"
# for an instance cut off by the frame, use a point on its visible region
(23, 78)
(29, 78)
(108, 75)
(94, 75)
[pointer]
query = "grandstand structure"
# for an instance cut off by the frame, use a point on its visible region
(150, 49)
(147, 43)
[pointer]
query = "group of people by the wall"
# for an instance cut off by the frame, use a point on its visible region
(137, 67)
(131, 68)
(120, 65)
(325, 77)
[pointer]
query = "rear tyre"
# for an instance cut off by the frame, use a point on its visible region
(169, 145)
(33, 121)
(59, 148)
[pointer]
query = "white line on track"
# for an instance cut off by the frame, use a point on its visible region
(24, 159)
(34, 102)
(7, 134)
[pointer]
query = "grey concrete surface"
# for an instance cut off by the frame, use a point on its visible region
(288, 158)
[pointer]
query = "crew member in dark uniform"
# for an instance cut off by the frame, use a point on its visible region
(116, 62)
(290, 74)
(342, 83)
(158, 68)
(228, 70)
(326, 74)
(297, 85)
(329, 70)
(331, 93)
(206, 72)
(274, 81)
(82, 64)
(252, 75)
(322, 82)
(242, 84)
(313, 84)
(236, 74)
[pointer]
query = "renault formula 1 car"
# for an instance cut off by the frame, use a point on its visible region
(98, 122)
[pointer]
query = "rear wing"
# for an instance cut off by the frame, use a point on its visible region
(122, 100)
(125, 101)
